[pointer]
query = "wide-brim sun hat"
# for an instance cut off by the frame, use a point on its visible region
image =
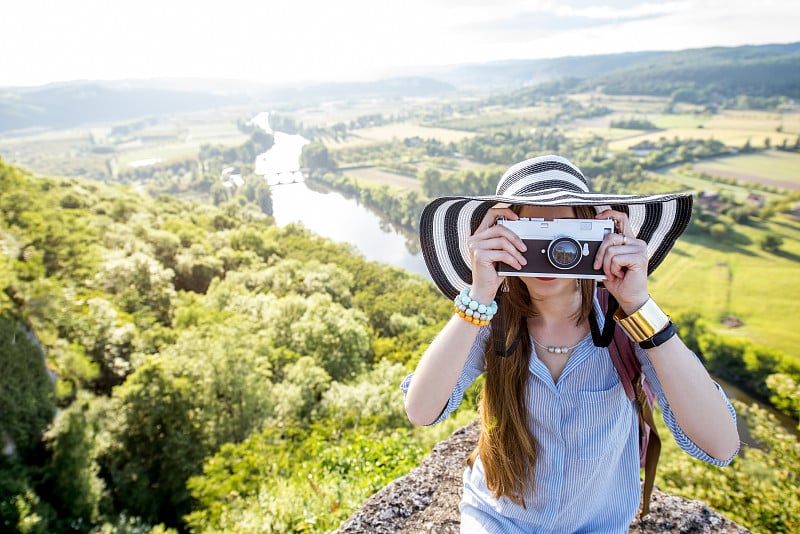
(447, 222)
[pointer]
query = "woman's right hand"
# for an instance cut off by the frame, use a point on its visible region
(492, 243)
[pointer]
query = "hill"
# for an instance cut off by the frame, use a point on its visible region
(762, 71)
(71, 104)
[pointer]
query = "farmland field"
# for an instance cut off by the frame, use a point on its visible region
(88, 151)
(693, 183)
(758, 287)
(371, 174)
(734, 128)
(772, 167)
(380, 134)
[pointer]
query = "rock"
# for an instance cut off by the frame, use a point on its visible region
(426, 500)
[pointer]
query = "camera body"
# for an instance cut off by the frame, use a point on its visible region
(561, 248)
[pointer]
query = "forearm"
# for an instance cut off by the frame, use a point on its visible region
(438, 371)
(701, 412)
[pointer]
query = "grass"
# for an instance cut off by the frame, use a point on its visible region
(719, 278)
(734, 128)
(371, 174)
(769, 167)
(676, 181)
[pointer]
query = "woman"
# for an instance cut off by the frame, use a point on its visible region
(559, 446)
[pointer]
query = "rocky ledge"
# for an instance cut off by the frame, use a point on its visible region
(426, 500)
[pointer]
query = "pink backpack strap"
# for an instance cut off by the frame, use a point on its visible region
(623, 354)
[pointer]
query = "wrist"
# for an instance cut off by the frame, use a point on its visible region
(481, 295)
(630, 307)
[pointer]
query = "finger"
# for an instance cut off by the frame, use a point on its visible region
(611, 240)
(498, 243)
(495, 231)
(616, 244)
(492, 215)
(619, 264)
(622, 224)
(490, 257)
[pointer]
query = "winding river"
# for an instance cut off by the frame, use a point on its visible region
(330, 214)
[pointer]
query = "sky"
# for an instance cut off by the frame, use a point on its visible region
(281, 42)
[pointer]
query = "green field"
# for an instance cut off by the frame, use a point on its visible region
(734, 128)
(88, 151)
(729, 278)
(371, 174)
(772, 167)
(398, 131)
(716, 278)
(760, 288)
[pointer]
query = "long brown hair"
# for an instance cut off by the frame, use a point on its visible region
(506, 446)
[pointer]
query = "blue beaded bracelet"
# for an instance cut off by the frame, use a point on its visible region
(472, 311)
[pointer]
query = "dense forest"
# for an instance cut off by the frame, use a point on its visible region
(142, 336)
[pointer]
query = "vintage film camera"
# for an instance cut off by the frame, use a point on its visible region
(561, 248)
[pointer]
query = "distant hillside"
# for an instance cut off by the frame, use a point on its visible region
(763, 71)
(752, 71)
(71, 104)
(84, 102)
(514, 74)
(705, 76)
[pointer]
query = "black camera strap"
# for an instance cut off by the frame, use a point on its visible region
(604, 339)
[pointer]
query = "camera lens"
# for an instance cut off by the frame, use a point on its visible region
(564, 252)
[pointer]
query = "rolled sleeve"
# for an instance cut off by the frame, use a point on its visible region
(473, 368)
(685, 443)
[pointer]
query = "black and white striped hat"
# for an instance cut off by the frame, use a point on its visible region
(447, 222)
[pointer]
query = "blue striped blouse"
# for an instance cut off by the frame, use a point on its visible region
(587, 469)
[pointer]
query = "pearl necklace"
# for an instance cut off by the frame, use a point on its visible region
(556, 349)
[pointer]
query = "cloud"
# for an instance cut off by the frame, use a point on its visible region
(551, 17)
(302, 40)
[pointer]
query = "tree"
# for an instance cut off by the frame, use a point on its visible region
(785, 394)
(337, 337)
(297, 397)
(195, 268)
(71, 477)
(315, 156)
(140, 284)
(106, 339)
(155, 445)
(760, 490)
(771, 243)
(27, 407)
(27, 394)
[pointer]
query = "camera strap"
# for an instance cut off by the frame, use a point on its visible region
(603, 339)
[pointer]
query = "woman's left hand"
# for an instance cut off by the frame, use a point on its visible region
(623, 259)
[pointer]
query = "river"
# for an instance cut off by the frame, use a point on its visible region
(330, 214)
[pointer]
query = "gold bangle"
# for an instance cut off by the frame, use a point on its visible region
(644, 323)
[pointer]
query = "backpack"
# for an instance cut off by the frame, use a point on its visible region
(623, 355)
